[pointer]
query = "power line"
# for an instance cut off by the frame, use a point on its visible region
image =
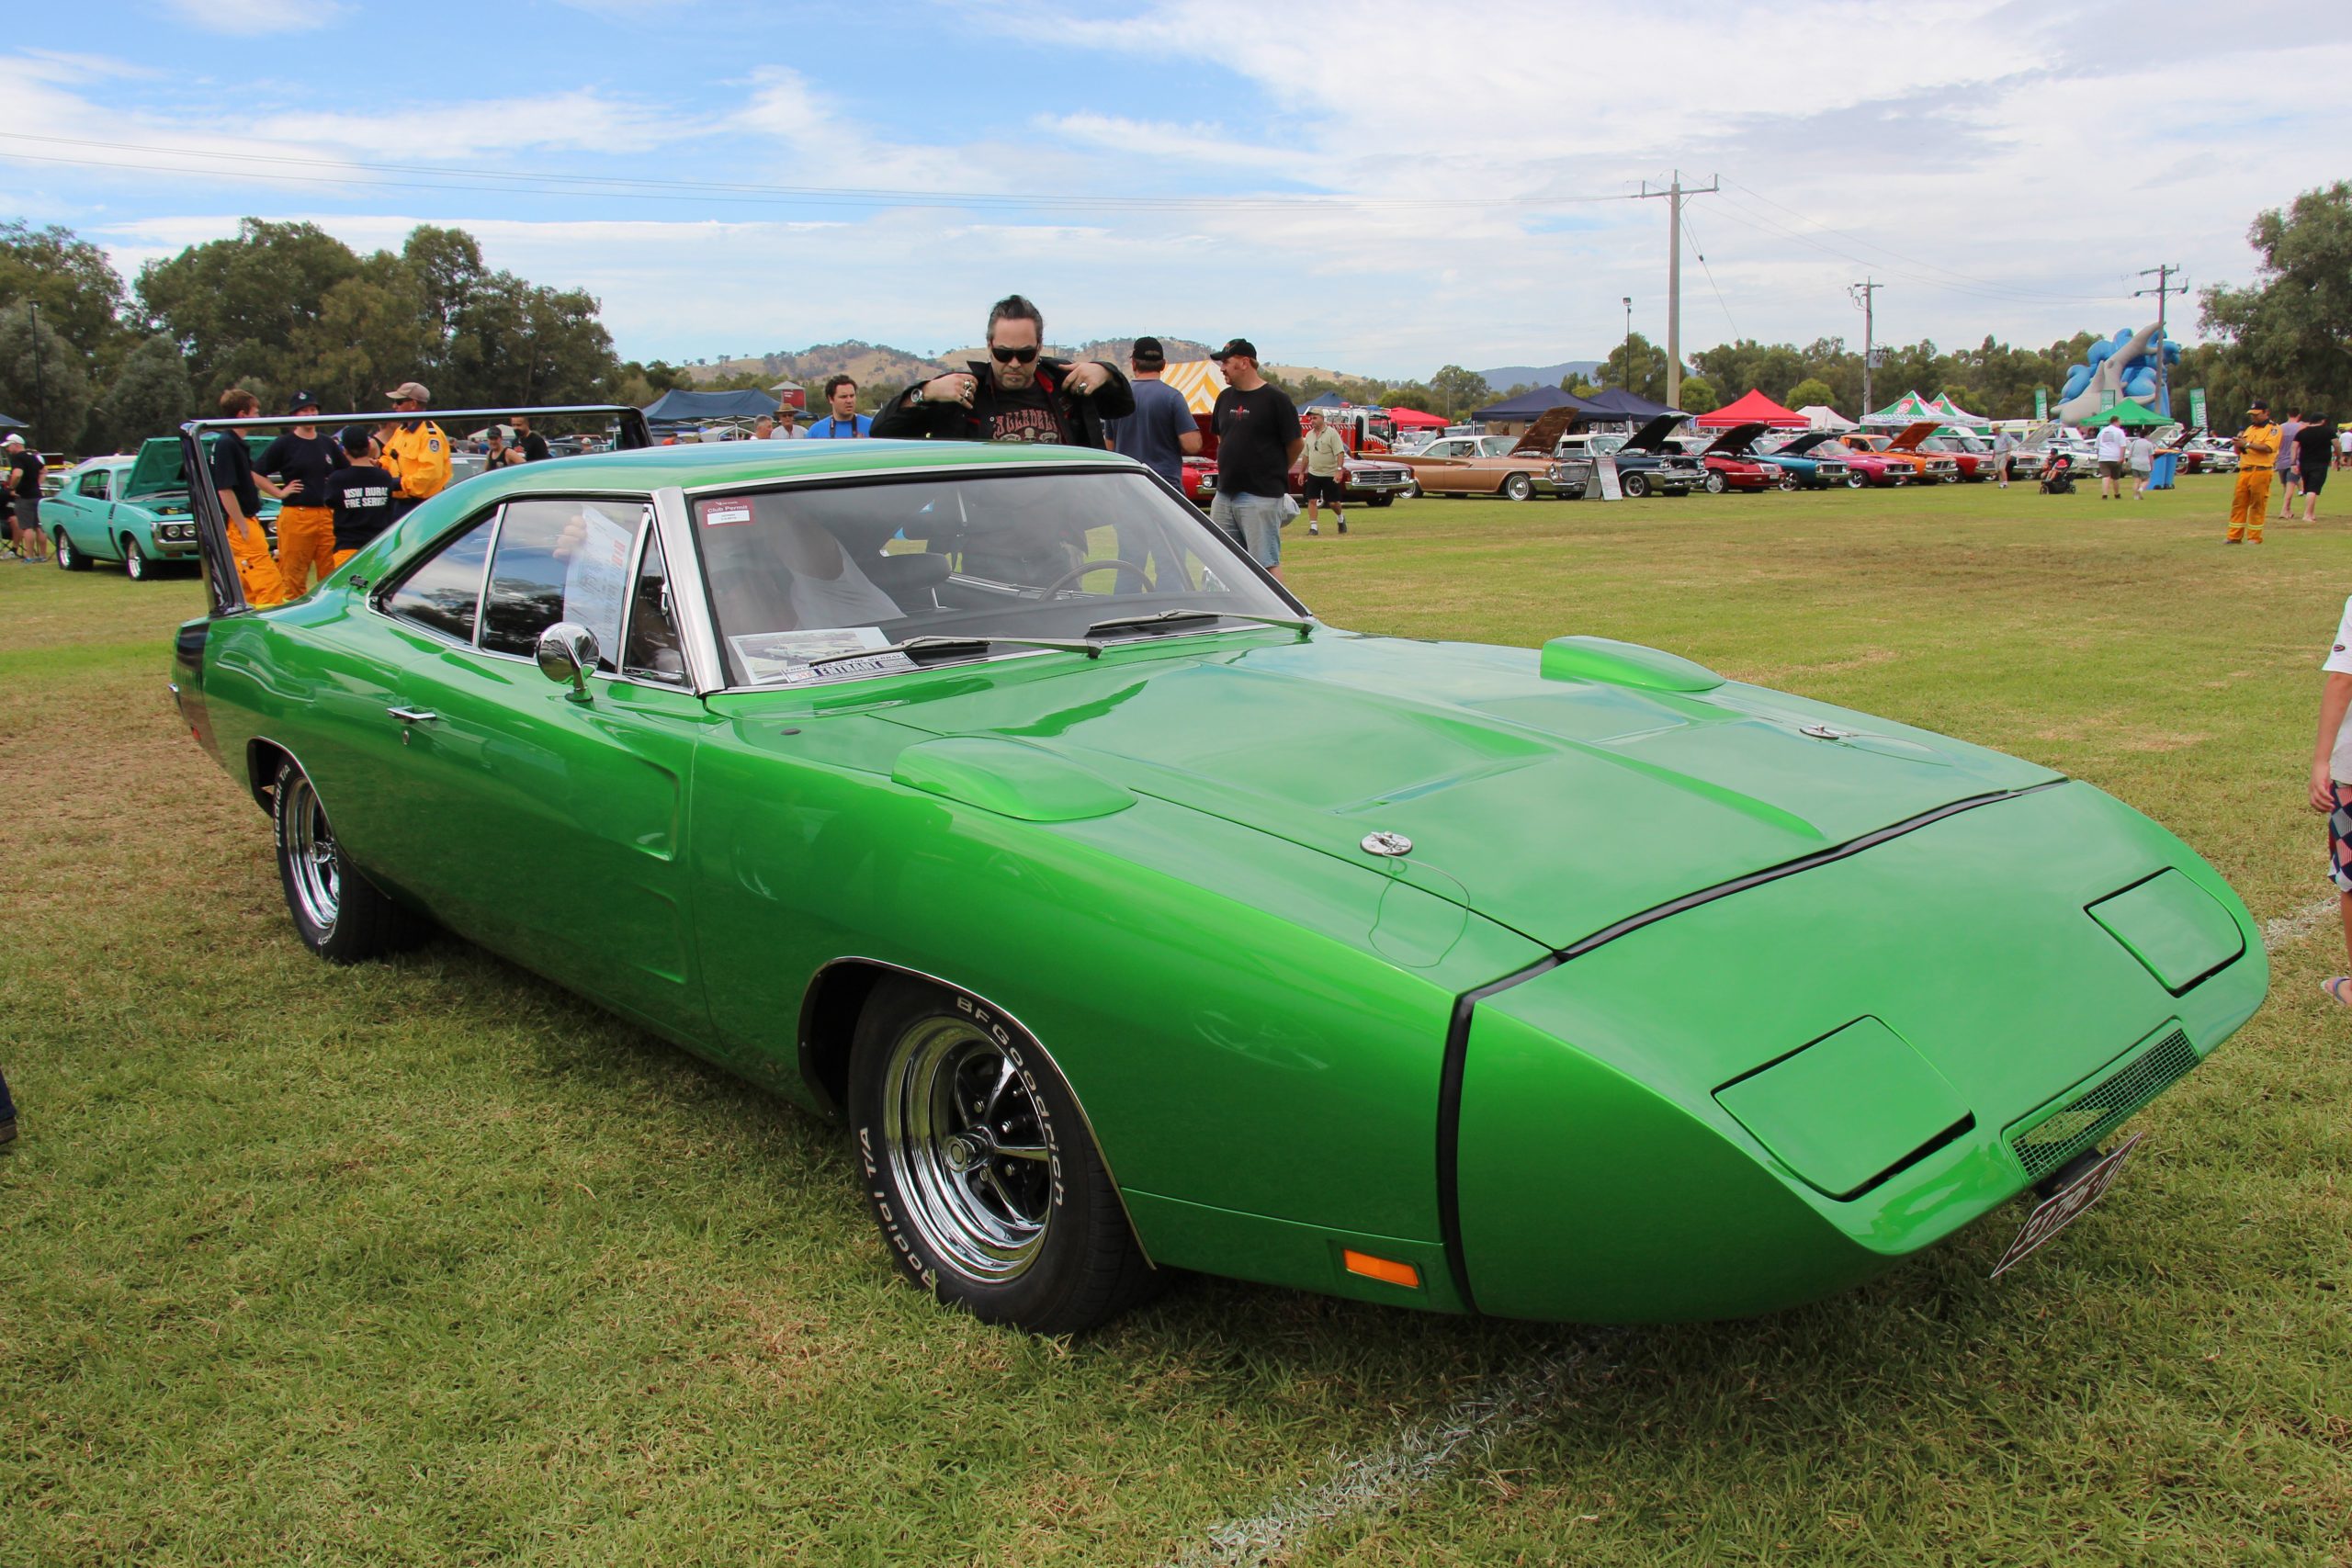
(1697, 250)
(336, 171)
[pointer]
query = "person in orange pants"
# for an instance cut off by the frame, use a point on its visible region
(2257, 446)
(301, 459)
(233, 480)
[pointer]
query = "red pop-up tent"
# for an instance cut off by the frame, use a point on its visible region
(1414, 419)
(1753, 408)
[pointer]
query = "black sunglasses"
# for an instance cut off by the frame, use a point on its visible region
(1009, 356)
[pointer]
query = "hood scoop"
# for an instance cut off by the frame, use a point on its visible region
(1625, 664)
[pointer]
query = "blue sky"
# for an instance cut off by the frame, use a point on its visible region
(1367, 187)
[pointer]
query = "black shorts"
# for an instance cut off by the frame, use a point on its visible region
(2314, 479)
(1325, 487)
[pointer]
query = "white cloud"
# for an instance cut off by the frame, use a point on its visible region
(255, 18)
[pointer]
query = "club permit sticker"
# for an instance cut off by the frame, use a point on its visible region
(784, 657)
(720, 513)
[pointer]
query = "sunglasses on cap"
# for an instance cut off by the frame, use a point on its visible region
(1014, 356)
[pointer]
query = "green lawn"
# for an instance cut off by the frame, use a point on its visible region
(425, 1261)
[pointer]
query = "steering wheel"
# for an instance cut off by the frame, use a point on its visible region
(1117, 564)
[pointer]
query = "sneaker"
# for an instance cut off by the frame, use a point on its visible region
(1343, 525)
(1313, 529)
(2234, 541)
(7, 1132)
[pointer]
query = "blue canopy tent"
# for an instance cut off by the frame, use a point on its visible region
(8, 424)
(1531, 405)
(678, 406)
(1328, 401)
(1616, 402)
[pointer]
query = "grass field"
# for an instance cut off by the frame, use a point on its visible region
(427, 1262)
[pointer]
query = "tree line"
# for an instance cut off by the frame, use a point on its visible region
(280, 307)
(95, 366)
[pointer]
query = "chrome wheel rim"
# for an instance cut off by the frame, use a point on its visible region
(64, 551)
(968, 1148)
(134, 561)
(310, 854)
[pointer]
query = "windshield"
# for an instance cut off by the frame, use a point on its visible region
(804, 573)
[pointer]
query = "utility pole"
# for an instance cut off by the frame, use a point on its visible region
(40, 399)
(1627, 356)
(1674, 195)
(1864, 293)
(2163, 275)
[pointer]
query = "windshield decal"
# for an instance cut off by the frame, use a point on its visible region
(785, 656)
(720, 513)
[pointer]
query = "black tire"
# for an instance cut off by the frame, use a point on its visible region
(1518, 487)
(68, 557)
(1788, 479)
(1385, 498)
(1412, 490)
(337, 913)
(1716, 483)
(1857, 479)
(1637, 486)
(939, 1083)
(135, 564)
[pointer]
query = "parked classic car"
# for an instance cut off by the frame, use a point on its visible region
(131, 510)
(1865, 464)
(1732, 464)
(1927, 467)
(1648, 461)
(1480, 465)
(1373, 480)
(1807, 460)
(1134, 919)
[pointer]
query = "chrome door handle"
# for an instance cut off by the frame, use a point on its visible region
(414, 716)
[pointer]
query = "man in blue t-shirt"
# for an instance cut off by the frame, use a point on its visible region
(844, 421)
(1161, 433)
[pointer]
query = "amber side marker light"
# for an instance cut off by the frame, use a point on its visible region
(1386, 1271)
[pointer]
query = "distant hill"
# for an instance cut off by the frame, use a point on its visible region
(1541, 375)
(1115, 349)
(871, 364)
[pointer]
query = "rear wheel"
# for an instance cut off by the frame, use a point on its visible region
(135, 564)
(68, 557)
(979, 1168)
(1411, 491)
(1518, 487)
(1637, 485)
(337, 913)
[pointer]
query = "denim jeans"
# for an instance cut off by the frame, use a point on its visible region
(1255, 521)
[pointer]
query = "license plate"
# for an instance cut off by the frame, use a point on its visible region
(2066, 1205)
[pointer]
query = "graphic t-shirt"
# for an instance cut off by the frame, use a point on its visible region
(361, 497)
(831, 429)
(232, 470)
(1153, 433)
(310, 458)
(1254, 430)
(1026, 415)
(2112, 443)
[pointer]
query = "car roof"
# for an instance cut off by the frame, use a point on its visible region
(751, 462)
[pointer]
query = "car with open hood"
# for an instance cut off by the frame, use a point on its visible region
(1648, 462)
(1133, 918)
(132, 510)
(1810, 459)
(1971, 456)
(1903, 447)
(1733, 462)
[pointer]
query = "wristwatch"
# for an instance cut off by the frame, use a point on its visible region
(915, 395)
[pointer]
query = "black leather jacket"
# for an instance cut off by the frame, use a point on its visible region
(1081, 418)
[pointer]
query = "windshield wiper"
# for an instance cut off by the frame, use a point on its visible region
(958, 645)
(1167, 617)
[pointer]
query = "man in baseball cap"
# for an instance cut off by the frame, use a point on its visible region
(1257, 443)
(21, 490)
(416, 453)
(2257, 446)
(1161, 433)
(295, 468)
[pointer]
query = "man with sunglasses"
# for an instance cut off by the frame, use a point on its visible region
(1014, 395)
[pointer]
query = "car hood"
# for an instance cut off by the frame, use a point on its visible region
(1912, 434)
(1735, 442)
(160, 468)
(1651, 437)
(1551, 805)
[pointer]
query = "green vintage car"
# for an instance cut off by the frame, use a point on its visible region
(1135, 919)
(132, 510)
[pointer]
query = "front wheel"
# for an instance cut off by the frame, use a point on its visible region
(1717, 484)
(1857, 479)
(68, 557)
(338, 913)
(979, 1168)
(1518, 487)
(135, 564)
(1637, 486)
(1385, 498)
(1788, 479)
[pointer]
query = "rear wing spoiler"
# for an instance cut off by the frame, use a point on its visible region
(224, 588)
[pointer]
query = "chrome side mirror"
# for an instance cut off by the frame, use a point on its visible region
(567, 651)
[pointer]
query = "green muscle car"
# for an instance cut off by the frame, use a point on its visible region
(132, 510)
(1133, 919)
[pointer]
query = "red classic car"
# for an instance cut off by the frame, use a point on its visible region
(1732, 463)
(1973, 456)
(1865, 465)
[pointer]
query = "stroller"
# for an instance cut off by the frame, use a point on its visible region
(2058, 475)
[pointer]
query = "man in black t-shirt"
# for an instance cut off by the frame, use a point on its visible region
(360, 496)
(301, 459)
(25, 467)
(528, 442)
(1257, 443)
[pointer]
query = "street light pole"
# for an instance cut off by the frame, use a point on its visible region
(41, 398)
(1629, 343)
(1865, 295)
